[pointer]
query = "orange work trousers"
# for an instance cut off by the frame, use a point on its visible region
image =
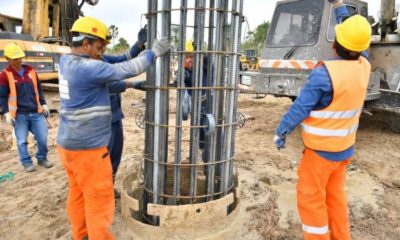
(321, 199)
(90, 203)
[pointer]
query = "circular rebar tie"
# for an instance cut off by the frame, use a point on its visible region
(240, 119)
(139, 120)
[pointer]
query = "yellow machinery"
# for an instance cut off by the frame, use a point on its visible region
(249, 60)
(41, 19)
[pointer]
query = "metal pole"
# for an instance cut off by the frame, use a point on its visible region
(196, 94)
(221, 145)
(179, 101)
(211, 97)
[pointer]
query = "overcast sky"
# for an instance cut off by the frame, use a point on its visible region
(127, 14)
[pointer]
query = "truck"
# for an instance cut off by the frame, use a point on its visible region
(302, 33)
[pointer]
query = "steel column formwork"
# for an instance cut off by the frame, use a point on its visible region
(191, 161)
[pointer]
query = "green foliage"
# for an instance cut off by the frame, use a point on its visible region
(257, 37)
(114, 31)
(120, 47)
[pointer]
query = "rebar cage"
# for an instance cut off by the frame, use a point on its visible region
(191, 161)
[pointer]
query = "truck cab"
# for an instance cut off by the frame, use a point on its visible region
(301, 34)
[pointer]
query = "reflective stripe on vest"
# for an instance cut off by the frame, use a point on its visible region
(334, 128)
(316, 230)
(86, 113)
(12, 97)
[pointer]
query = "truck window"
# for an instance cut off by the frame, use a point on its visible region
(332, 20)
(296, 24)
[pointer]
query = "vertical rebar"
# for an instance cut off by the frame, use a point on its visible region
(196, 94)
(231, 97)
(221, 145)
(164, 98)
(150, 112)
(179, 101)
(238, 18)
(211, 97)
(218, 65)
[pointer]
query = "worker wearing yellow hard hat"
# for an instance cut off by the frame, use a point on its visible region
(89, 26)
(354, 33)
(85, 122)
(22, 100)
(13, 51)
(328, 108)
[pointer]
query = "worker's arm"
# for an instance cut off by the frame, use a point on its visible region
(100, 72)
(137, 48)
(121, 86)
(4, 92)
(341, 12)
(42, 100)
(132, 53)
(316, 94)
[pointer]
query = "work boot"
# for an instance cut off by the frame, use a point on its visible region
(29, 168)
(45, 163)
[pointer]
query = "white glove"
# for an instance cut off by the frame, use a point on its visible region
(46, 112)
(161, 46)
(9, 119)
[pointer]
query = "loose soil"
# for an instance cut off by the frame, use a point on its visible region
(33, 205)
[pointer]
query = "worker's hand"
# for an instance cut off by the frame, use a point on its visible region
(142, 35)
(161, 46)
(46, 112)
(279, 141)
(140, 85)
(336, 3)
(9, 119)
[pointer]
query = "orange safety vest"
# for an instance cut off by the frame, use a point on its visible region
(333, 129)
(12, 97)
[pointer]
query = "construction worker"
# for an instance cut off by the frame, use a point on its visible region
(85, 124)
(116, 144)
(328, 108)
(188, 80)
(24, 105)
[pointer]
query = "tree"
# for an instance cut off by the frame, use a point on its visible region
(256, 39)
(114, 31)
(120, 47)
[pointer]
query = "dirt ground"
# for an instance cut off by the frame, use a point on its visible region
(32, 205)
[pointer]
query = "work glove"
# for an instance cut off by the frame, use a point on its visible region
(139, 85)
(161, 46)
(46, 112)
(336, 3)
(142, 35)
(279, 141)
(9, 119)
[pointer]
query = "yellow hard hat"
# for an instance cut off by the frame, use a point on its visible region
(13, 51)
(354, 33)
(189, 46)
(91, 26)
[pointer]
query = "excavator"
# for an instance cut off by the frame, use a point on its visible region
(44, 33)
(44, 37)
(302, 33)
